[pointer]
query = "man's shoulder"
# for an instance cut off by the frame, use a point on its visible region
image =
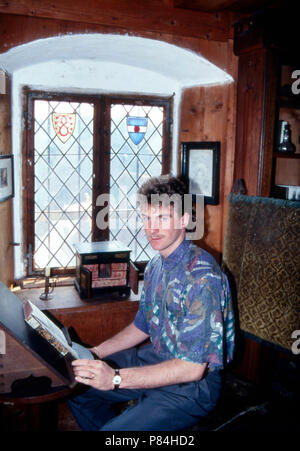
(198, 256)
(199, 262)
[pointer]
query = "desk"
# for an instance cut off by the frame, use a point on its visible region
(94, 321)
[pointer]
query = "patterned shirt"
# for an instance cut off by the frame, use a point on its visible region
(186, 307)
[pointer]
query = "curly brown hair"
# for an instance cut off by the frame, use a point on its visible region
(173, 188)
(164, 184)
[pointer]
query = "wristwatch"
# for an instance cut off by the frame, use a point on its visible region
(117, 379)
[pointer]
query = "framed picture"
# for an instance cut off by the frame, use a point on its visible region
(6, 177)
(200, 169)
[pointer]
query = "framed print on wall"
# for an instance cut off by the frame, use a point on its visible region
(200, 169)
(6, 177)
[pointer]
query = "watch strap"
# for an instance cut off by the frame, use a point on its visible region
(117, 373)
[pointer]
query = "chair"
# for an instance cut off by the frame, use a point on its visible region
(261, 256)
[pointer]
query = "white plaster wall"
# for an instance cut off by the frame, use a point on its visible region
(99, 64)
(187, 67)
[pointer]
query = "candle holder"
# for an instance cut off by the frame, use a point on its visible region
(49, 287)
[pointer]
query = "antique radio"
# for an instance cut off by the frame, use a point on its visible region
(102, 267)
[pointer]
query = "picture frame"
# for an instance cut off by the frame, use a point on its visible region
(6, 177)
(200, 169)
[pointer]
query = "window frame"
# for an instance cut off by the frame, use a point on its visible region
(101, 157)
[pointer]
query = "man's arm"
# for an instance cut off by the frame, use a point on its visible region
(99, 375)
(170, 372)
(127, 338)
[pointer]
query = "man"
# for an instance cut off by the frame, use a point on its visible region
(185, 310)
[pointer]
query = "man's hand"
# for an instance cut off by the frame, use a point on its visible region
(94, 373)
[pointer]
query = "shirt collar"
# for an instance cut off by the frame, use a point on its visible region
(177, 256)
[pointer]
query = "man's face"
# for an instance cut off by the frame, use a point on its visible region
(164, 228)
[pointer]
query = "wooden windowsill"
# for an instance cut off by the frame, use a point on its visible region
(39, 282)
(67, 297)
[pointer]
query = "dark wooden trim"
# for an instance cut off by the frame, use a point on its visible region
(268, 118)
(28, 192)
(101, 165)
(167, 137)
(250, 109)
(68, 97)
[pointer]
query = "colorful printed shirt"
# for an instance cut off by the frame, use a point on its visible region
(186, 307)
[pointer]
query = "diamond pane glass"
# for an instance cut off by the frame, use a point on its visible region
(62, 182)
(131, 164)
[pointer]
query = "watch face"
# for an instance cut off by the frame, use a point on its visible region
(117, 380)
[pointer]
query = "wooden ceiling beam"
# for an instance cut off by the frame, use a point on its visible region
(133, 16)
(204, 5)
(241, 6)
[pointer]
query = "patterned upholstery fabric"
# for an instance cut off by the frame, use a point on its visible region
(261, 256)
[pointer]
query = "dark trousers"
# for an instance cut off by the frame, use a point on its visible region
(170, 408)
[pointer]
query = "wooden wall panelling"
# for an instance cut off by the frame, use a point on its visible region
(16, 30)
(203, 120)
(229, 133)
(96, 323)
(287, 172)
(6, 224)
(208, 114)
(134, 17)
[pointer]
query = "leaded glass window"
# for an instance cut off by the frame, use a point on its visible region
(136, 155)
(79, 147)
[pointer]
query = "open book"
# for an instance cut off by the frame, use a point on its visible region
(45, 327)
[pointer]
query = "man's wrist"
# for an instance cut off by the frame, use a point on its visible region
(117, 379)
(97, 352)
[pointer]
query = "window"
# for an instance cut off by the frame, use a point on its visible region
(79, 147)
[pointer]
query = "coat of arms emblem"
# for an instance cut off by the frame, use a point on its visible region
(137, 127)
(63, 124)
